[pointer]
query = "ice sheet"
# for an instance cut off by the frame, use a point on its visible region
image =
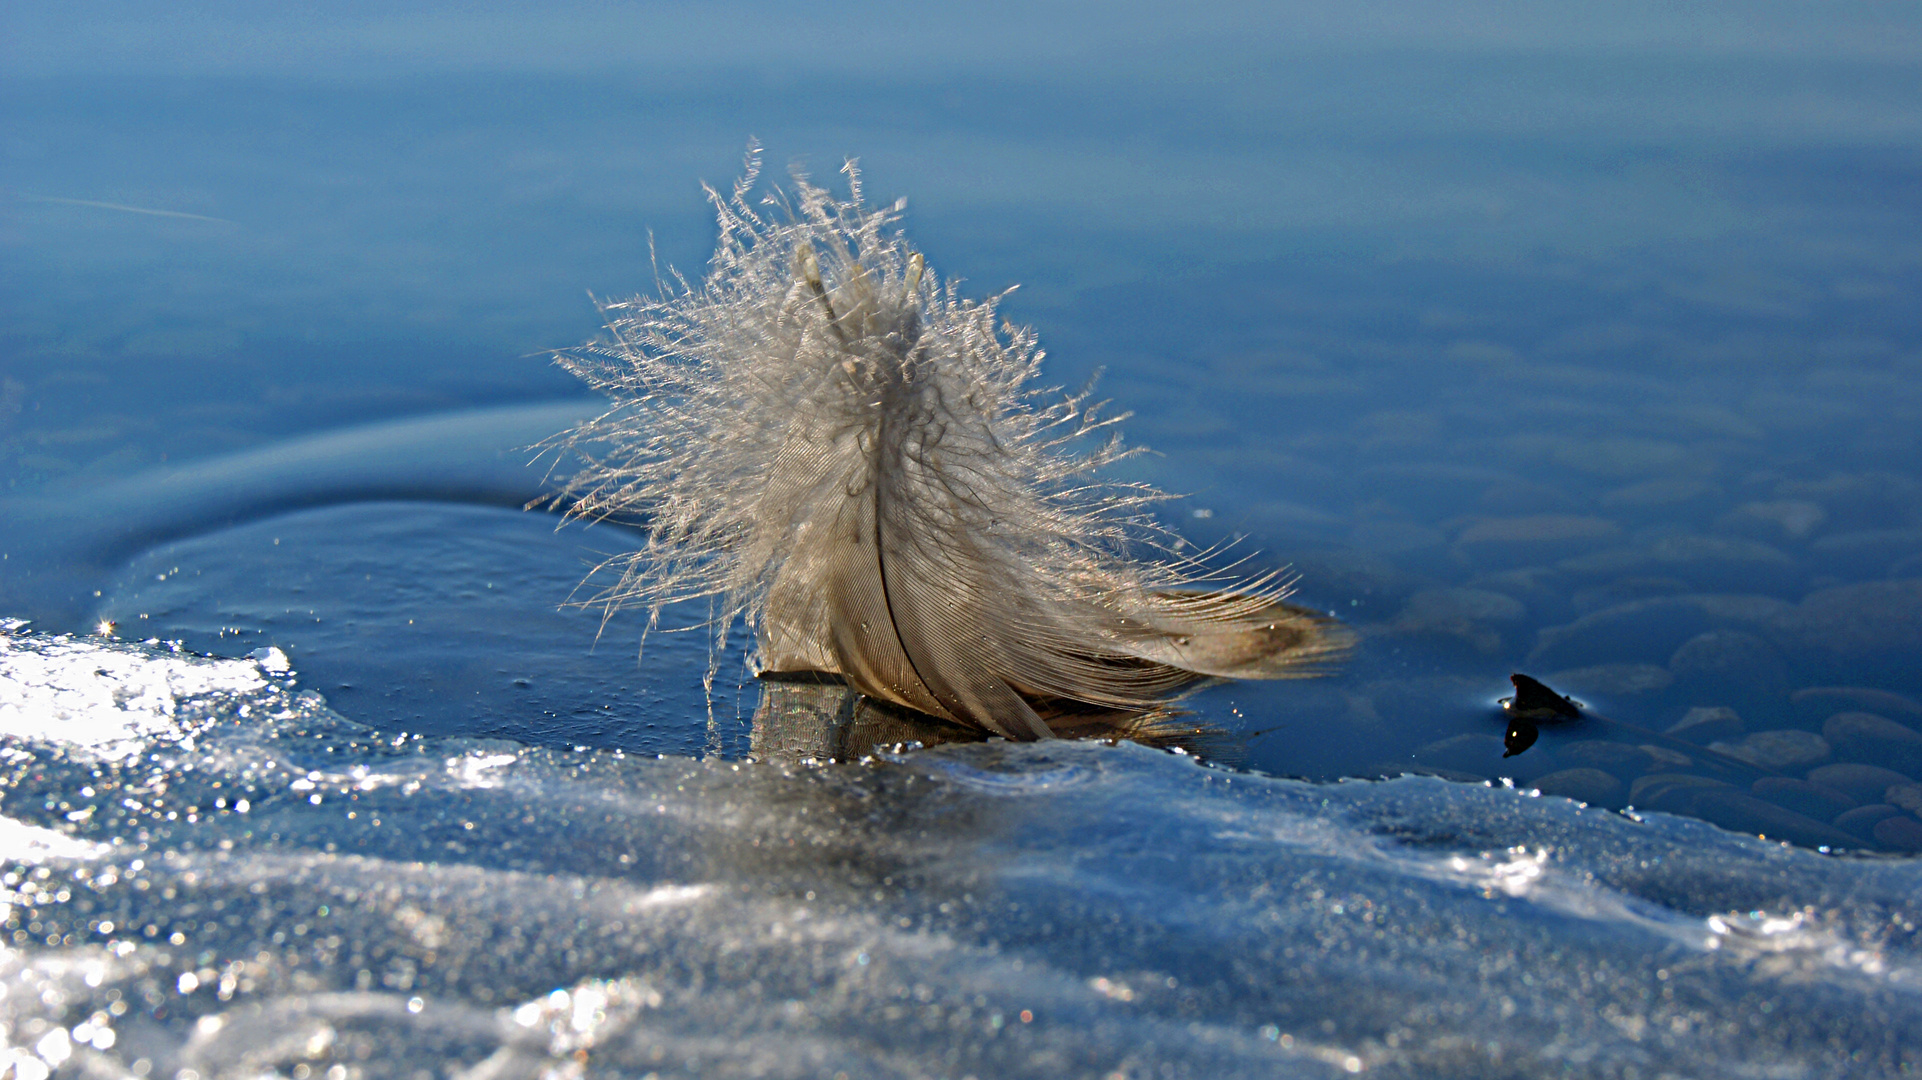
(254, 885)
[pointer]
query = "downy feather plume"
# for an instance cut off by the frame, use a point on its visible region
(824, 439)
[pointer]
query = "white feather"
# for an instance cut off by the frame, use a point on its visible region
(826, 441)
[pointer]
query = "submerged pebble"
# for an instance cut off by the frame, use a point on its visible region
(1901, 832)
(1861, 821)
(1776, 520)
(1446, 606)
(1624, 590)
(1474, 616)
(1665, 493)
(1872, 629)
(1649, 631)
(1866, 737)
(1666, 757)
(1473, 755)
(1866, 551)
(1814, 704)
(1704, 724)
(1733, 668)
(1733, 657)
(1618, 759)
(1581, 784)
(1608, 679)
(1864, 783)
(1734, 810)
(1708, 563)
(1533, 539)
(1654, 790)
(1777, 751)
(1818, 801)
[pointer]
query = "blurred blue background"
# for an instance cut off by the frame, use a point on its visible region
(342, 211)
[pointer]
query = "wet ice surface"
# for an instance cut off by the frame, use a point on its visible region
(438, 618)
(210, 872)
(1769, 717)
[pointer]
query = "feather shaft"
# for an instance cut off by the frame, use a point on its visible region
(826, 441)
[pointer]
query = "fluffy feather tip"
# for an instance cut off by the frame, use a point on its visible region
(825, 440)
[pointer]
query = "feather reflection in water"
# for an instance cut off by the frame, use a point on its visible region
(807, 716)
(825, 440)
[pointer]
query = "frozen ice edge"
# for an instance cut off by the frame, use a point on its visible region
(109, 698)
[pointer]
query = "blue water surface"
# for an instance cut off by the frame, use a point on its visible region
(1579, 341)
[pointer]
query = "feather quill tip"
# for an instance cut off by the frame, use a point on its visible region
(824, 440)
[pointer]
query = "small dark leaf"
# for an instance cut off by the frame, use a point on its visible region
(1535, 701)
